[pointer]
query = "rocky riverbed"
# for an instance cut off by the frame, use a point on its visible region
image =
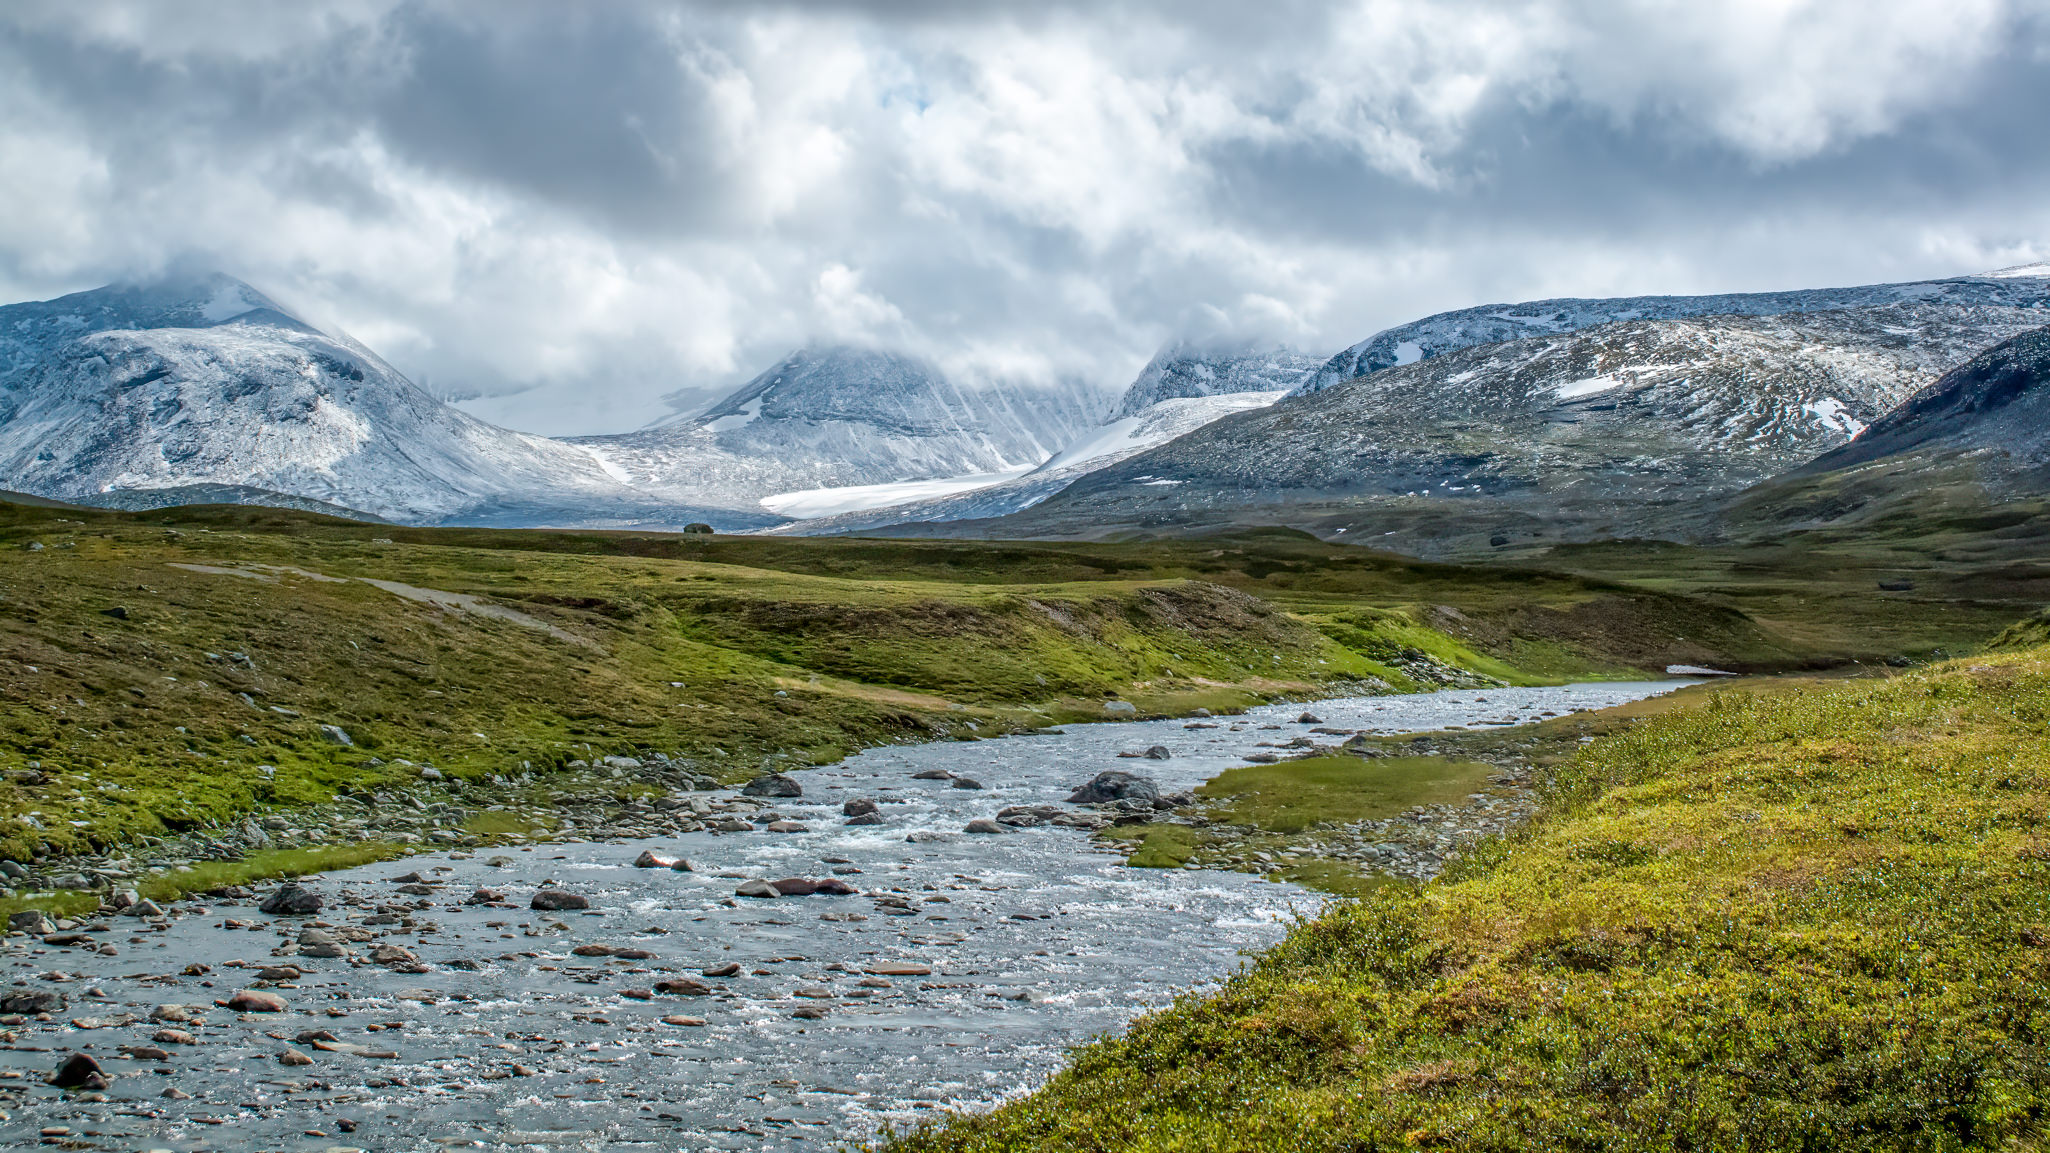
(600, 992)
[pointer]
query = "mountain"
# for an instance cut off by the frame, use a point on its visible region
(1976, 439)
(836, 417)
(1597, 430)
(1493, 323)
(1099, 448)
(204, 387)
(1184, 369)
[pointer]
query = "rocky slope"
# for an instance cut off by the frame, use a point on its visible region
(124, 394)
(1195, 369)
(1595, 431)
(1436, 335)
(839, 417)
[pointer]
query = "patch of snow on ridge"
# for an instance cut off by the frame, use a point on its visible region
(817, 502)
(1575, 389)
(2040, 268)
(748, 412)
(227, 302)
(1157, 425)
(1408, 352)
(605, 462)
(1830, 413)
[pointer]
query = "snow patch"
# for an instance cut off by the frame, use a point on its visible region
(1575, 389)
(227, 303)
(818, 502)
(605, 462)
(2040, 268)
(1830, 413)
(748, 412)
(1408, 352)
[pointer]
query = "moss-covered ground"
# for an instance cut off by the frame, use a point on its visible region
(1815, 917)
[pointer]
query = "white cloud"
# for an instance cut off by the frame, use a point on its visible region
(573, 213)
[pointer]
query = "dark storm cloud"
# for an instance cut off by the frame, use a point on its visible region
(575, 210)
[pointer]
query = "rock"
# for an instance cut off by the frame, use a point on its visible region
(984, 825)
(32, 921)
(555, 900)
(773, 785)
(1158, 753)
(294, 1057)
(967, 783)
(337, 734)
(291, 898)
(1120, 708)
(679, 865)
(143, 908)
(311, 936)
(29, 1002)
(280, 973)
(689, 1022)
(733, 825)
(933, 775)
(729, 969)
(857, 807)
(383, 953)
(79, 1072)
(683, 987)
(636, 994)
(256, 1001)
(788, 827)
(175, 1094)
(485, 897)
(795, 887)
(1115, 785)
(810, 1012)
(648, 860)
(173, 1037)
(176, 1014)
(325, 952)
(864, 819)
(761, 889)
(898, 969)
(145, 1053)
(417, 890)
(833, 887)
(413, 878)
(1309, 719)
(927, 837)
(121, 899)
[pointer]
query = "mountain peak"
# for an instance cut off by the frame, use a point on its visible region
(1190, 367)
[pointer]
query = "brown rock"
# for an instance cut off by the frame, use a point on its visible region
(253, 1001)
(79, 1072)
(683, 987)
(294, 1057)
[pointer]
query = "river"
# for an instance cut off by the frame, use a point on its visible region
(1034, 940)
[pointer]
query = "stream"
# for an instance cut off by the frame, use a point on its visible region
(959, 975)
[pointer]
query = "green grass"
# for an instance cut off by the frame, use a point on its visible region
(169, 671)
(1811, 918)
(1292, 796)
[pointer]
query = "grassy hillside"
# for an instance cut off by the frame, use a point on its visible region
(1815, 918)
(170, 670)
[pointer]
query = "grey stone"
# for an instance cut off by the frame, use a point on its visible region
(1115, 785)
(760, 889)
(967, 783)
(984, 825)
(337, 734)
(1158, 753)
(1122, 708)
(773, 785)
(29, 1002)
(291, 898)
(555, 900)
(865, 819)
(31, 921)
(860, 806)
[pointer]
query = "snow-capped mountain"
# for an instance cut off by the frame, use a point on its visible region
(1596, 427)
(838, 417)
(206, 385)
(1491, 323)
(1099, 448)
(1193, 369)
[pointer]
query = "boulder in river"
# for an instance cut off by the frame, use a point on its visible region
(932, 775)
(864, 819)
(485, 897)
(256, 1001)
(984, 825)
(33, 921)
(833, 887)
(291, 898)
(796, 886)
(762, 889)
(683, 987)
(859, 806)
(649, 859)
(967, 783)
(29, 1002)
(729, 969)
(773, 785)
(1309, 719)
(1115, 785)
(788, 827)
(555, 900)
(79, 1072)
(1157, 753)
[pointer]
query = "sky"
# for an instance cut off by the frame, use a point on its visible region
(579, 218)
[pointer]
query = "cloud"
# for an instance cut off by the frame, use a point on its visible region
(568, 213)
